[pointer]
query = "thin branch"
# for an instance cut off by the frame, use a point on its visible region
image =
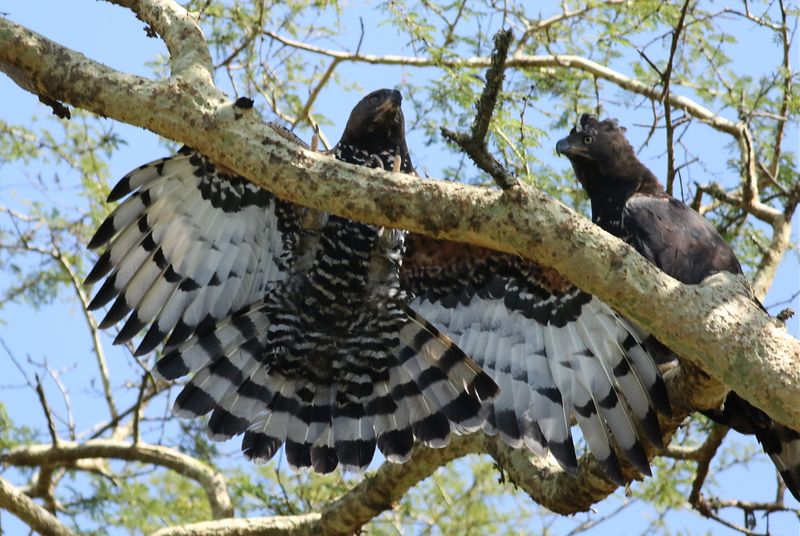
(56, 376)
(66, 452)
(666, 79)
(761, 211)
(137, 414)
(787, 90)
(36, 517)
(51, 425)
(305, 113)
(474, 143)
(545, 24)
(113, 423)
(94, 329)
(705, 455)
(523, 61)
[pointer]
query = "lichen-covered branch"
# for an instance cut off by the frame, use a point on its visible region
(716, 325)
(188, 51)
(36, 517)
(67, 452)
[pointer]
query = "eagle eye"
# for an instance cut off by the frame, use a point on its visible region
(374, 99)
(587, 140)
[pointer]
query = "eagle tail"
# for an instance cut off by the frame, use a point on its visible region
(429, 388)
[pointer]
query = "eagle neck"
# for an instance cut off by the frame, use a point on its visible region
(608, 204)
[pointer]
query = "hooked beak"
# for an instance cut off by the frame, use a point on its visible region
(389, 111)
(563, 147)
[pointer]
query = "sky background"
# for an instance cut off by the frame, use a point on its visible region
(57, 333)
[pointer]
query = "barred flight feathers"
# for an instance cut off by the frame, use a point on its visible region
(291, 323)
(629, 202)
(190, 243)
(556, 353)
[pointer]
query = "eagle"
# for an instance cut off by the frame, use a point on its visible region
(292, 322)
(334, 337)
(629, 202)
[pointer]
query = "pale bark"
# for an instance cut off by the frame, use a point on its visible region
(36, 517)
(67, 453)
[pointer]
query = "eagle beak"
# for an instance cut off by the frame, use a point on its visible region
(563, 147)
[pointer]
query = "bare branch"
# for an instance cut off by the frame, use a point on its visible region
(94, 329)
(566, 14)
(474, 144)
(523, 61)
(67, 452)
(36, 517)
(51, 425)
(188, 51)
(666, 79)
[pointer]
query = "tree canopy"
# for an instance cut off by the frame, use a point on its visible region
(708, 94)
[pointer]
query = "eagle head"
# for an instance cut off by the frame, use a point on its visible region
(603, 159)
(598, 150)
(376, 121)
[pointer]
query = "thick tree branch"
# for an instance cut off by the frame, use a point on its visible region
(716, 325)
(36, 517)
(67, 452)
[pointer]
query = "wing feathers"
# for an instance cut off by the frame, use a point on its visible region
(554, 351)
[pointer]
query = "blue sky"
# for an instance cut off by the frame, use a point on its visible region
(57, 332)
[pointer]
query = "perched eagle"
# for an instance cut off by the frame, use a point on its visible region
(307, 329)
(629, 202)
(292, 322)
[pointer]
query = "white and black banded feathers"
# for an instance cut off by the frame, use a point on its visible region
(556, 353)
(291, 322)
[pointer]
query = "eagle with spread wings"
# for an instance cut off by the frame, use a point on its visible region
(629, 202)
(333, 337)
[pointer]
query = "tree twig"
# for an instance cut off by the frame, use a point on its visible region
(666, 79)
(51, 425)
(474, 143)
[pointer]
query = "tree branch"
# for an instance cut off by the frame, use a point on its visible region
(188, 51)
(474, 143)
(36, 517)
(718, 326)
(67, 452)
(524, 61)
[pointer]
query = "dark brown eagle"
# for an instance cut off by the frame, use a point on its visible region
(629, 202)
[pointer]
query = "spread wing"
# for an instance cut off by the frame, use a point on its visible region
(190, 243)
(676, 239)
(556, 352)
